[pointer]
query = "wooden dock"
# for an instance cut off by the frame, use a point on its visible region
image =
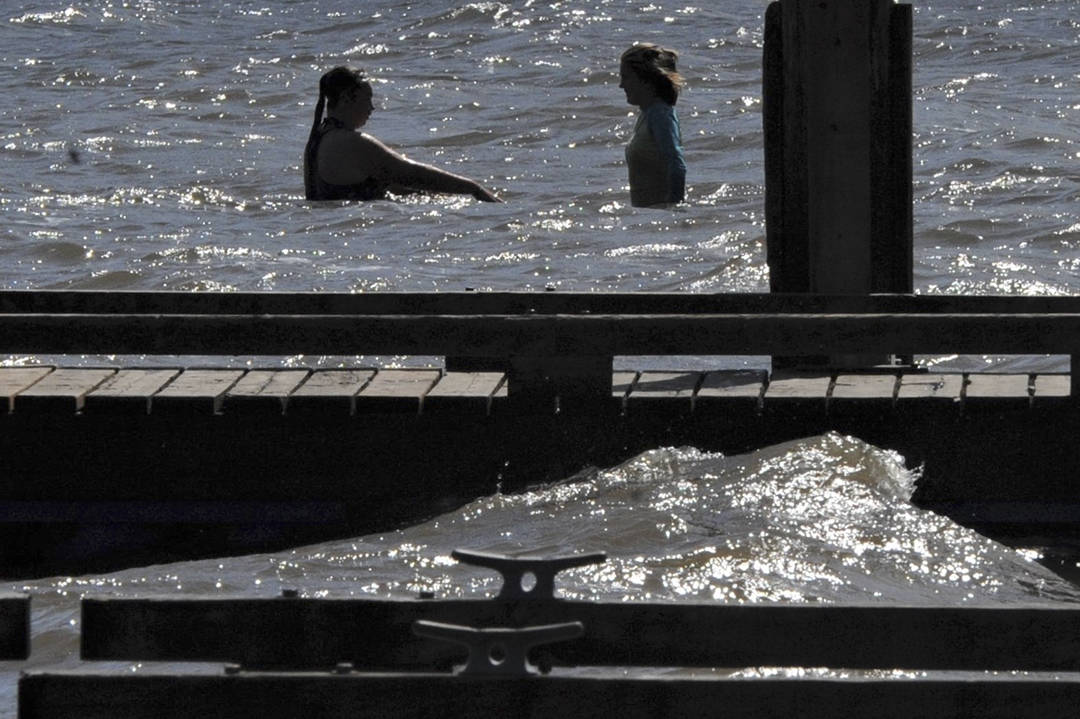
(204, 460)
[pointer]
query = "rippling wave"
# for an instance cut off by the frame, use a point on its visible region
(826, 519)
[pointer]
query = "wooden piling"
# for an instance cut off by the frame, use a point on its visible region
(837, 114)
(837, 124)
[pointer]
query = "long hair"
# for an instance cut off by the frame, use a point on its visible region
(656, 66)
(331, 86)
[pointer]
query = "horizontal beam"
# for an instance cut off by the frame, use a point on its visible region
(541, 335)
(124, 695)
(408, 303)
(377, 634)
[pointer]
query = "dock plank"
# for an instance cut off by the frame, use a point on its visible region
(195, 390)
(463, 392)
(499, 399)
(728, 383)
(63, 390)
(16, 379)
(932, 385)
(396, 390)
(864, 387)
(731, 391)
(263, 391)
(267, 383)
(129, 390)
(663, 386)
(981, 386)
(329, 391)
(653, 385)
(622, 382)
(797, 386)
(1050, 387)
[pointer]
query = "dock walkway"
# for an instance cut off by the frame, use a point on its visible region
(265, 393)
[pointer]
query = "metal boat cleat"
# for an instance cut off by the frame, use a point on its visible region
(500, 651)
(526, 577)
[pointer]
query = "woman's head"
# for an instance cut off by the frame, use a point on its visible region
(654, 66)
(341, 86)
(343, 82)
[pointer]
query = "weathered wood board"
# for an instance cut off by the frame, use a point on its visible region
(16, 379)
(396, 391)
(329, 392)
(263, 391)
(195, 390)
(463, 392)
(665, 386)
(920, 387)
(128, 391)
(63, 390)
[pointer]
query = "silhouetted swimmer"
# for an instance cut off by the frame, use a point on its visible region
(654, 155)
(341, 163)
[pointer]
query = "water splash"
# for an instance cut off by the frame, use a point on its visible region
(825, 519)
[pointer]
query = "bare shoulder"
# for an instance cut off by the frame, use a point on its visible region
(348, 156)
(342, 140)
(382, 157)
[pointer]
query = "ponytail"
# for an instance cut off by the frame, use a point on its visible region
(319, 107)
(312, 144)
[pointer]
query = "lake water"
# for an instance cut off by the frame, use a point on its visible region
(156, 145)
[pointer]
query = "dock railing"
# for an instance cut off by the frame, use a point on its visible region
(551, 343)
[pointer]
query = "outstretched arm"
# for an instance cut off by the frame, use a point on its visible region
(419, 176)
(392, 168)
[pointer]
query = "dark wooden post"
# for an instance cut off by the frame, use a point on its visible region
(549, 384)
(837, 126)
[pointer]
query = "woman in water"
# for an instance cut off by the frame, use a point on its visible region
(654, 154)
(341, 163)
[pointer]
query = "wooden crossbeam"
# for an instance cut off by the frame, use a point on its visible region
(377, 634)
(124, 695)
(405, 303)
(541, 335)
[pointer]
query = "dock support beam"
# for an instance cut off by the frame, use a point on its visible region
(837, 124)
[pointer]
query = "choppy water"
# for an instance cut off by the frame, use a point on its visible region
(188, 118)
(156, 144)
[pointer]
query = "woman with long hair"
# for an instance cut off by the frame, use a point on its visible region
(654, 155)
(342, 163)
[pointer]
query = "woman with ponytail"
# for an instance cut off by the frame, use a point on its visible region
(654, 155)
(342, 163)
